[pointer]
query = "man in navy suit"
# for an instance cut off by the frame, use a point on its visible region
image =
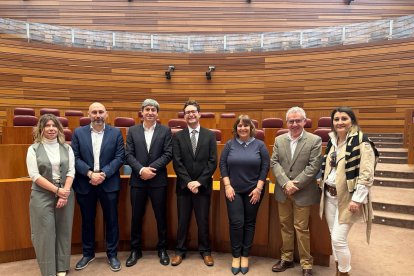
(148, 151)
(99, 153)
(194, 160)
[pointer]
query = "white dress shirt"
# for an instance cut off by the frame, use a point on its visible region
(97, 137)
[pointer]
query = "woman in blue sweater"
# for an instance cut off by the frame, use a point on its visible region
(244, 164)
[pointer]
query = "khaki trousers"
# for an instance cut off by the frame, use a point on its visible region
(295, 219)
(51, 231)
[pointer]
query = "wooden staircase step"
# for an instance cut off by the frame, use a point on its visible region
(393, 152)
(394, 182)
(394, 219)
(393, 195)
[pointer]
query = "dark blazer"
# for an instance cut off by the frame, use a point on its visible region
(160, 154)
(201, 166)
(111, 158)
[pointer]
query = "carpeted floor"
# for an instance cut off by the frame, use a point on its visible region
(389, 253)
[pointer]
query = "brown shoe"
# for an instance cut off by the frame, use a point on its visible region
(282, 265)
(307, 272)
(208, 260)
(176, 260)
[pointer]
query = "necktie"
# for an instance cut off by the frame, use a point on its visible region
(193, 140)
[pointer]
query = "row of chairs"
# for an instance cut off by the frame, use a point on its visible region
(22, 120)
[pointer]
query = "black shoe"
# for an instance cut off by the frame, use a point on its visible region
(114, 263)
(164, 259)
(133, 257)
(84, 262)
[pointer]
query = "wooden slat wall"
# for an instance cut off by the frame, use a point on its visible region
(200, 16)
(375, 79)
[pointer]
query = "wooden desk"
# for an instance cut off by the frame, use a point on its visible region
(15, 243)
(17, 135)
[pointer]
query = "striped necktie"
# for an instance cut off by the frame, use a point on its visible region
(193, 140)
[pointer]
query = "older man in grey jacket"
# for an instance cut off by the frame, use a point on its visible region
(295, 161)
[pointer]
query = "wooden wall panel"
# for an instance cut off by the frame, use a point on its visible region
(199, 16)
(372, 78)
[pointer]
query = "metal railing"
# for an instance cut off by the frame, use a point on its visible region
(386, 29)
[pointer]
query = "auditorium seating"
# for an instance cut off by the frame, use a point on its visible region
(24, 111)
(177, 123)
(260, 135)
(74, 113)
(68, 134)
(226, 120)
(217, 132)
(324, 122)
(272, 123)
(256, 123)
(83, 121)
(64, 121)
(180, 114)
(282, 131)
(25, 120)
(323, 133)
(270, 126)
(124, 122)
(53, 111)
(228, 115)
(308, 123)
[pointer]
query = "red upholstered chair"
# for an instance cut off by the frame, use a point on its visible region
(175, 130)
(282, 131)
(308, 123)
(68, 134)
(124, 122)
(323, 133)
(53, 111)
(217, 132)
(24, 111)
(24, 120)
(272, 123)
(260, 134)
(180, 114)
(140, 114)
(74, 113)
(324, 122)
(228, 115)
(207, 115)
(83, 121)
(256, 123)
(64, 121)
(177, 123)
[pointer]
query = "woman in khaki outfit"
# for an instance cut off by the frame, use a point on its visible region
(51, 166)
(348, 173)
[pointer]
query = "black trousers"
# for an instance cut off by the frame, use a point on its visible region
(200, 202)
(242, 221)
(109, 204)
(139, 197)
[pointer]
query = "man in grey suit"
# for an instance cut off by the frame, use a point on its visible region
(148, 151)
(295, 161)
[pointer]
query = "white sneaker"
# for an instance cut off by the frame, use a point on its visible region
(63, 273)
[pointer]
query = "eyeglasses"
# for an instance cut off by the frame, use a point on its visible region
(333, 160)
(297, 121)
(191, 112)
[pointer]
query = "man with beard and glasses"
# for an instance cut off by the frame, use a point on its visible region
(99, 153)
(148, 151)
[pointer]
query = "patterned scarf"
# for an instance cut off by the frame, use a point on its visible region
(352, 157)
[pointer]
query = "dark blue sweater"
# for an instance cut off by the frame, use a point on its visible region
(244, 165)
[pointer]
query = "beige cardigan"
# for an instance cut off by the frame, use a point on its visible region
(366, 177)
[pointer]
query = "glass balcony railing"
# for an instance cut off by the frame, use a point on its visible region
(386, 29)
